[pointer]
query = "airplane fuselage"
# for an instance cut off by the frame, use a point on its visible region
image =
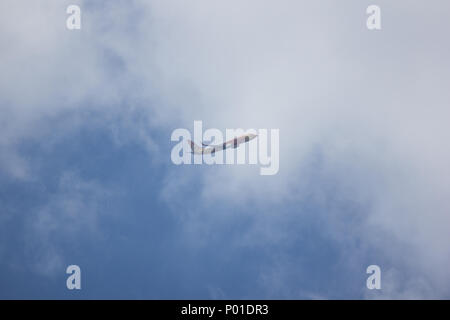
(233, 143)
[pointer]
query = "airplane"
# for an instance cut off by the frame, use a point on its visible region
(234, 143)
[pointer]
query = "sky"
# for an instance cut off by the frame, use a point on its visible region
(86, 176)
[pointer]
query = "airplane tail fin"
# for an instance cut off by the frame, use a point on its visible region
(195, 148)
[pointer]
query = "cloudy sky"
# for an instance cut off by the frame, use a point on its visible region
(86, 176)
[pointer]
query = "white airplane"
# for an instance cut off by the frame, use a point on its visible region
(234, 143)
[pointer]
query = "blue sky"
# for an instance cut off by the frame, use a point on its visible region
(138, 248)
(85, 170)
